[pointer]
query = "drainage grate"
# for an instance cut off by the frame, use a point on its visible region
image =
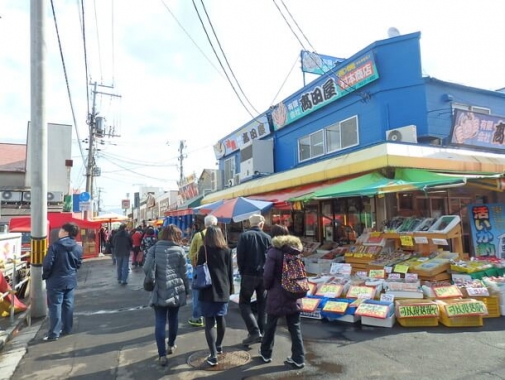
(227, 360)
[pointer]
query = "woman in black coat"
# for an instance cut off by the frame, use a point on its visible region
(214, 300)
(278, 303)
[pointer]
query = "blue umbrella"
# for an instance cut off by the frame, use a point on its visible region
(206, 209)
(239, 209)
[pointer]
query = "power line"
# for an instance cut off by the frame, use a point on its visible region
(219, 60)
(298, 26)
(225, 58)
(289, 25)
(285, 79)
(112, 37)
(85, 54)
(98, 42)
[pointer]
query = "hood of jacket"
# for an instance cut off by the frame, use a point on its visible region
(67, 242)
(287, 243)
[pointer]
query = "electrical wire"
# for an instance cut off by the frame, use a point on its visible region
(136, 173)
(219, 60)
(289, 25)
(226, 59)
(66, 80)
(85, 54)
(285, 80)
(98, 42)
(298, 26)
(112, 41)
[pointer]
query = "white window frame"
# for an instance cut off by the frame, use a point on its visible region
(339, 124)
(311, 146)
(467, 107)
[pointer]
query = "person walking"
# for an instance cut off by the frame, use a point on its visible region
(147, 242)
(278, 303)
(137, 240)
(214, 300)
(196, 319)
(171, 287)
(251, 251)
(59, 269)
(122, 244)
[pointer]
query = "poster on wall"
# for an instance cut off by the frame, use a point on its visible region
(487, 223)
(478, 130)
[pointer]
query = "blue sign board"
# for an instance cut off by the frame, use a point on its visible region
(84, 196)
(317, 63)
(331, 86)
(487, 224)
(478, 130)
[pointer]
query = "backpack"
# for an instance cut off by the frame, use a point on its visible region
(294, 278)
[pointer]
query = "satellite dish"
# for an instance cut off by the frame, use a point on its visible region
(393, 32)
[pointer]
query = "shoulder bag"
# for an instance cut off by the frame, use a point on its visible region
(149, 279)
(201, 276)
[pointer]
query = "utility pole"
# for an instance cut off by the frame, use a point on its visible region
(95, 130)
(38, 158)
(182, 156)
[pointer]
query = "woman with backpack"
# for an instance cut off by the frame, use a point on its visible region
(279, 302)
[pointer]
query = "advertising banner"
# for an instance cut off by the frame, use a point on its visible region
(330, 87)
(478, 130)
(487, 224)
(317, 63)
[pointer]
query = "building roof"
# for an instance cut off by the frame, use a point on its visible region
(12, 157)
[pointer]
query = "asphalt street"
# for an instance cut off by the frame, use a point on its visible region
(113, 338)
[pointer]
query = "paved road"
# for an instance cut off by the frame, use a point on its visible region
(113, 339)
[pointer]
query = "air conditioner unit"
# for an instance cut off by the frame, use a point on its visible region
(55, 196)
(256, 158)
(10, 196)
(27, 196)
(403, 134)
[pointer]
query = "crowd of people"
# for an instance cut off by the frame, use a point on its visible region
(162, 257)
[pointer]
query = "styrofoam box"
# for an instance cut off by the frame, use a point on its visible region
(349, 318)
(370, 321)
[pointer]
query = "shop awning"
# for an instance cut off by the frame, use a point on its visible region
(186, 207)
(375, 183)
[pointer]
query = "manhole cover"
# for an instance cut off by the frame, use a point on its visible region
(227, 360)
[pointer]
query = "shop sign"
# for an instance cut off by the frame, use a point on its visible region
(418, 311)
(465, 308)
(317, 63)
(487, 225)
(373, 310)
(478, 130)
(331, 86)
(447, 291)
(256, 129)
(330, 290)
(336, 306)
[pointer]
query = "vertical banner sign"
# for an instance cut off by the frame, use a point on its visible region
(487, 224)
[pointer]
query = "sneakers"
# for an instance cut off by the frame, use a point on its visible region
(196, 322)
(219, 350)
(212, 361)
(163, 361)
(254, 338)
(297, 365)
(49, 338)
(264, 358)
(171, 349)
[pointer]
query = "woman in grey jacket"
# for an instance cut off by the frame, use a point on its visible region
(167, 259)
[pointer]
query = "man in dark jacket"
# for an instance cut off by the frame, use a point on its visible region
(123, 245)
(251, 250)
(59, 269)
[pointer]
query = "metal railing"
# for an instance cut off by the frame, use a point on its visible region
(16, 265)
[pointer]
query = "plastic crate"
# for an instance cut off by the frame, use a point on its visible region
(470, 321)
(492, 304)
(418, 322)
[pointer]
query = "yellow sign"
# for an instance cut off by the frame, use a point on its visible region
(361, 292)
(466, 308)
(330, 290)
(372, 310)
(417, 311)
(406, 240)
(377, 273)
(336, 306)
(450, 291)
(401, 268)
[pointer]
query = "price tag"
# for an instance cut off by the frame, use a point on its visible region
(373, 310)
(477, 292)
(361, 274)
(336, 307)
(440, 241)
(388, 269)
(310, 304)
(361, 292)
(385, 297)
(330, 290)
(377, 273)
(421, 239)
(450, 291)
(406, 240)
(394, 276)
(466, 308)
(416, 311)
(401, 268)
(339, 268)
(411, 277)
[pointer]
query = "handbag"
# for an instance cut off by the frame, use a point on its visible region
(201, 276)
(149, 279)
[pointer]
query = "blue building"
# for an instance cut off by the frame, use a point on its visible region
(373, 114)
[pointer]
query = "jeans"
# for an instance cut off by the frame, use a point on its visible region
(161, 314)
(60, 304)
(295, 330)
(248, 285)
(195, 304)
(122, 268)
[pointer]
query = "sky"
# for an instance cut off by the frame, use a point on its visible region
(156, 55)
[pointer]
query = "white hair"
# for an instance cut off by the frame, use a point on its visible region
(210, 220)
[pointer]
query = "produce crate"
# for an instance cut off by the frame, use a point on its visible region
(418, 322)
(470, 321)
(492, 305)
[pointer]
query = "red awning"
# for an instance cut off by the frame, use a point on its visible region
(187, 211)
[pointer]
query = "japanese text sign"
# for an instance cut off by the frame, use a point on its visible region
(451, 291)
(373, 310)
(417, 311)
(466, 308)
(476, 129)
(336, 306)
(330, 290)
(487, 225)
(361, 292)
